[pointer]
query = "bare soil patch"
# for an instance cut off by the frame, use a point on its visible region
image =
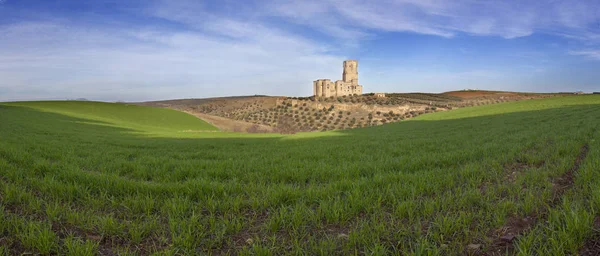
(592, 245)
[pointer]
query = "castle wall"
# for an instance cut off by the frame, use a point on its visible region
(327, 86)
(338, 87)
(358, 89)
(318, 88)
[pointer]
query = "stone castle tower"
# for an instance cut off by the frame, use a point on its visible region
(350, 74)
(347, 86)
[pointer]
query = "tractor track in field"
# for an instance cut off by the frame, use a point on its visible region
(592, 245)
(105, 243)
(504, 237)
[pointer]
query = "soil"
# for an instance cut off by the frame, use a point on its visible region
(230, 125)
(565, 181)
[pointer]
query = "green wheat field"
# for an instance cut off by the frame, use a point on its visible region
(89, 178)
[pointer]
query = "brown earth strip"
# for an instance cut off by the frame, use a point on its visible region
(516, 226)
(565, 181)
(592, 245)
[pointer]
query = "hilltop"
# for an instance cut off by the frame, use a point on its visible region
(268, 113)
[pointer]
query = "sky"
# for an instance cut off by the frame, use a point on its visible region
(139, 50)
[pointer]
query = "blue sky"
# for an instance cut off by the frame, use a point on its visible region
(135, 50)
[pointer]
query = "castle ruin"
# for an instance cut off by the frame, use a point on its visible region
(347, 86)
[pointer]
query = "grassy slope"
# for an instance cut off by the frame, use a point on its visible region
(143, 119)
(431, 185)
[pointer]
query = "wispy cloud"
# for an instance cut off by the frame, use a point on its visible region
(508, 19)
(591, 54)
(204, 57)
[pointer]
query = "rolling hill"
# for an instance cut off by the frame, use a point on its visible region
(150, 120)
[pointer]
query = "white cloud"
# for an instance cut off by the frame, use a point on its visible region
(592, 54)
(66, 61)
(508, 19)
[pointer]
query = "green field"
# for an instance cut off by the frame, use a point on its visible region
(84, 178)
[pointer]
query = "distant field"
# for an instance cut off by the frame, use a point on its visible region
(85, 178)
